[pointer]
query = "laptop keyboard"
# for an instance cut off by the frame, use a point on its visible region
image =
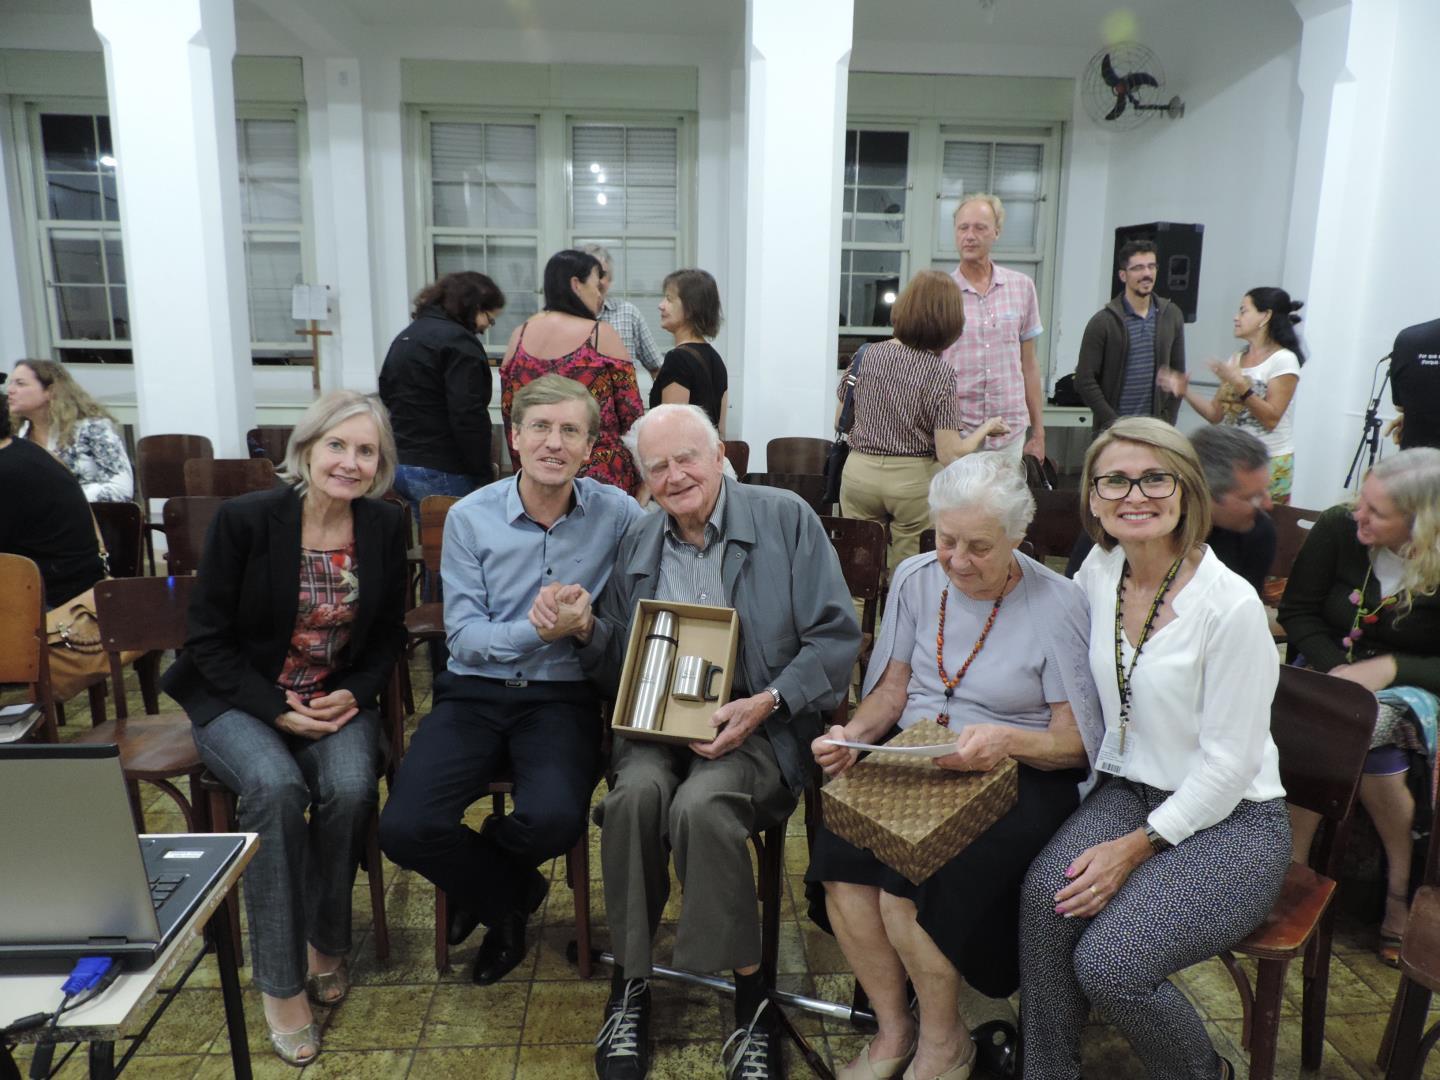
(163, 887)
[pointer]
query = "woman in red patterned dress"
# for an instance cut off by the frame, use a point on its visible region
(568, 339)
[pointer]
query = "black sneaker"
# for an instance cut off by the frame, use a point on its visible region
(622, 1049)
(754, 1052)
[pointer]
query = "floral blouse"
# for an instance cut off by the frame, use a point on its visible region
(329, 592)
(96, 455)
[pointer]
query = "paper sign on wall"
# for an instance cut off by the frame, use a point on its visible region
(310, 302)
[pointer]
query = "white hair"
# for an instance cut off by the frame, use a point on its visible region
(988, 481)
(992, 201)
(631, 438)
(601, 253)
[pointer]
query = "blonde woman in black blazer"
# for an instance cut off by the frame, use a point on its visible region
(295, 625)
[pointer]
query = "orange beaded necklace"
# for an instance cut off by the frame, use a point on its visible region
(950, 684)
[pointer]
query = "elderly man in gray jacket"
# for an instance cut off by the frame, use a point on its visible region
(763, 552)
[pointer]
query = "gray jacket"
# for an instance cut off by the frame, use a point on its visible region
(1104, 348)
(798, 631)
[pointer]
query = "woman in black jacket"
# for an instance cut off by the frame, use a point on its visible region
(436, 383)
(295, 625)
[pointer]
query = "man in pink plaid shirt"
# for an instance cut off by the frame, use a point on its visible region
(996, 372)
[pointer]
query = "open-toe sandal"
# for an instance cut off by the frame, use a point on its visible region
(1390, 942)
(289, 1044)
(329, 989)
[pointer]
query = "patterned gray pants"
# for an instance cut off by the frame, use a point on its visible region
(1178, 908)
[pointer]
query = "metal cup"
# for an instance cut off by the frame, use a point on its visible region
(695, 679)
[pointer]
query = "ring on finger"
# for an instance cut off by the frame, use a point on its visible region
(1094, 892)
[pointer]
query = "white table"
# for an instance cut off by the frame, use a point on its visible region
(105, 1020)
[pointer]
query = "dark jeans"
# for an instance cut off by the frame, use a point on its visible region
(544, 735)
(298, 886)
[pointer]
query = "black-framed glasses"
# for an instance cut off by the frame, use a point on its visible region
(1153, 485)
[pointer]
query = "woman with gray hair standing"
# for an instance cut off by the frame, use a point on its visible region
(991, 644)
(1181, 852)
(295, 624)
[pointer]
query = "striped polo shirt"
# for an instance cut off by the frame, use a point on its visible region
(1137, 391)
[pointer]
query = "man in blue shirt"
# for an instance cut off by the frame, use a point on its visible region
(514, 699)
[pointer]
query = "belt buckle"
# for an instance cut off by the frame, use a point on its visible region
(517, 684)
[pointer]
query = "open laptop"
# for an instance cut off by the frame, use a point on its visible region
(78, 880)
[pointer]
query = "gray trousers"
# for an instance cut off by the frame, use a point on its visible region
(298, 886)
(666, 798)
(1179, 907)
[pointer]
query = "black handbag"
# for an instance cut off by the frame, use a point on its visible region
(840, 448)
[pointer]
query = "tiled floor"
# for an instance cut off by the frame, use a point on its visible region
(404, 1020)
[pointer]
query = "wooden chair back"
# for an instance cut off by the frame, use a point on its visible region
(1322, 726)
(1056, 525)
(927, 540)
(22, 635)
(187, 521)
(796, 454)
(122, 527)
(808, 486)
(433, 510)
(160, 463)
(141, 614)
(1292, 526)
(860, 546)
(269, 441)
(500, 453)
(228, 477)
(737, 451)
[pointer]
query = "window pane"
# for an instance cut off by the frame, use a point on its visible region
(271, 149)
(273, 202)
(463, 156)
(272, 268)
(1017, 171)
(510, 153)
(69, 142)
(82, 313)
(965, 168)
(458, 204)
(624, 177)
(883, 157)
(76, 259)
(109, 195)
(869, 230)
(510, 206)
(1020, 222)
(95, 356)
(102, 127)
(597, 207)
(120, 312)
(74, 196)
(114, 259)
(457, 151)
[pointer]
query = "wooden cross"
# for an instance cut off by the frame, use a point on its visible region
(314, 334)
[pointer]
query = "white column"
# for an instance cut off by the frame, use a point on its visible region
(797, 66)
(12, 305)
(168, 67)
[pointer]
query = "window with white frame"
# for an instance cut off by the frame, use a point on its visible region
(79, 253)
(491, 187)
(902, 184)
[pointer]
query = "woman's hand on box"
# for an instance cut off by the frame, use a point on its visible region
(834, 760)
(978, 748)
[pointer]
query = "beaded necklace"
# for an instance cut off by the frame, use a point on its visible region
(1122, 676)
(1367, 616)
(950, 684)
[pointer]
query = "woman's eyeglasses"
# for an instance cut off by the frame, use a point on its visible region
(1115, 486)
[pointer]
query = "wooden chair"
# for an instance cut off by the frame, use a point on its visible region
(808, 486)
(737, 452)
(23, 657)
(1292, 526)
(122, 527)
(160, 468)
(1322, 727)
(227, 477)
(148, 614)
(1407, 1043)
(860, 546)
(797, 454)
(1056, 525)
(426, 622)
(927, 540)
(187, 520)
(500, 453)
(269, 441)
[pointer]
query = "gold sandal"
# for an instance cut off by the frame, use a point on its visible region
(330, 988)
(288, 1044)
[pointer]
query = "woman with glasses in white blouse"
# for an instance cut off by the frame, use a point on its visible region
(1182, 849)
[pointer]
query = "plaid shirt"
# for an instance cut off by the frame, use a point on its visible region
(986, 358)
(634, 331)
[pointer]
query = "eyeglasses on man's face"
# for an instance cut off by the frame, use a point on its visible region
(1153, 485)
(570, 434)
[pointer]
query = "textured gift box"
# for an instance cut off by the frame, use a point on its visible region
(913, 816)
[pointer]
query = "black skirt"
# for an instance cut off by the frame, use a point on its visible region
(970, 907)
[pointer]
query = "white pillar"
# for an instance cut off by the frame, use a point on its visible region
(168, 67)
(797, 64)
(12, 306)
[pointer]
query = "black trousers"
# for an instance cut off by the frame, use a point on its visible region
(545, 736)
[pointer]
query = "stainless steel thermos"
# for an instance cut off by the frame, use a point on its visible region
(653, 683)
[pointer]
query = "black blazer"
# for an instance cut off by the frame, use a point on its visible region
(242, 611)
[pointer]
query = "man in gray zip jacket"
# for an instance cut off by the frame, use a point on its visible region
(1127, 341)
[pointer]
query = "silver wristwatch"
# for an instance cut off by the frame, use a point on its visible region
(775, 694)
(1157, 842)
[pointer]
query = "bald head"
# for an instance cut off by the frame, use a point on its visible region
(682, 459)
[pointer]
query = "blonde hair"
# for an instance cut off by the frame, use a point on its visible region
(1176, 454)
(554, 389)
(992, 201)
(69, 404)
(1412, 480)
(328, 412)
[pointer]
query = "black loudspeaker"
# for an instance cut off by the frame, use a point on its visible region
(1178, 255)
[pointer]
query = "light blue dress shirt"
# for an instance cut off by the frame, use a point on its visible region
(496, 559)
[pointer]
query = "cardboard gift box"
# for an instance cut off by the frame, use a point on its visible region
(912, 815)
(709, 632)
